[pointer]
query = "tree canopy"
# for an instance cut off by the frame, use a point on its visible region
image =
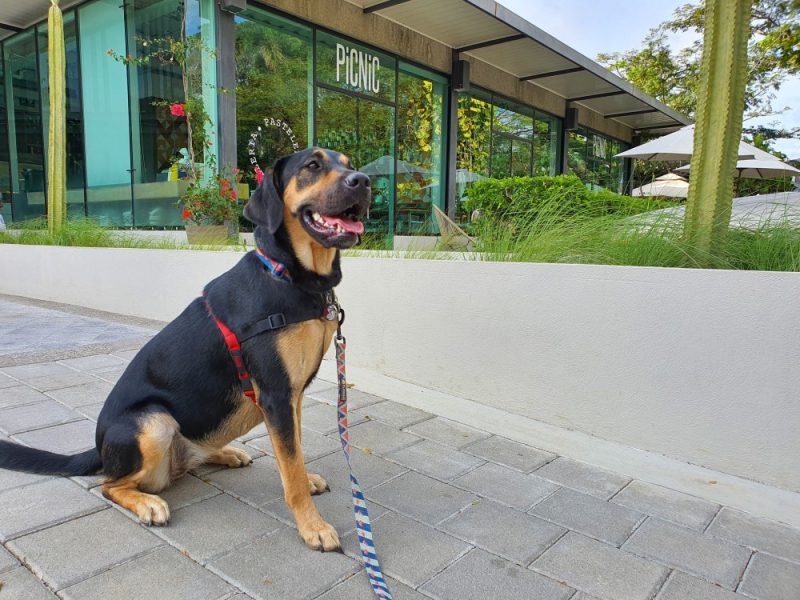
(672, 76)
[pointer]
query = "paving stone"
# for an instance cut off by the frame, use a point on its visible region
(36, 370)
(511, 454)
(770, 578)
(20, 395)
(355, 398)
(93, 362)
(409, 551)
(88, 482)
(126, 355)
(358, 587)
(69, 438)
(163, 575)
(335, 507)
(188, 490)
(35, 416)
(435, 460)
(319, 385)
(447, 432)
(702, 555)
(21, 584)
(81, 548)
(268, 568)
(206, 469)
(667, 504)
(589, 515)
(421, 497)
(7, 561)
(12, 479)
(321, 417)
(685, 587)
(257, 484)
(7, 382)
(481, 575)
(62, 380)
(391, 413)
(91, 411)
(600, 570)
(503, 531)
(506, 485)
(374, 436)
(760, 534)
(314, 445)
(582, 477)
(111, 375)
(214, 526)
(82, 395)
(370, 470)
(26, 509)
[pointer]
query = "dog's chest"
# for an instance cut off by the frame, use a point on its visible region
(302, 347)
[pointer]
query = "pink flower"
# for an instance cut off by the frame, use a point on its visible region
(177, 109)
(259, 175)
(186, 214)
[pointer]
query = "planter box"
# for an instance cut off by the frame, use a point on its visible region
(700, 366)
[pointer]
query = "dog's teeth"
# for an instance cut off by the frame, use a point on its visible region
(317, 217)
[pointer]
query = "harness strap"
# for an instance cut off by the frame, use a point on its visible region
(235, 349)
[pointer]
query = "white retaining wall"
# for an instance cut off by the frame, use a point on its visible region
(701, 366)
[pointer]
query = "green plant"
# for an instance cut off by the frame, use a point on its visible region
(723, 78)
(214, 201)
(57, 142)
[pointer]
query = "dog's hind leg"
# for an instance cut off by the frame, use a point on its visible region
(146, 455)
(230, 456)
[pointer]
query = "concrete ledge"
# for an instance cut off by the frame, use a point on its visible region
(699, 366)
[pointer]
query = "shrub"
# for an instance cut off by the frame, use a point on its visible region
(515, 200)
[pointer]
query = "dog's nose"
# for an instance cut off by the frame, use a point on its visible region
(356, 179)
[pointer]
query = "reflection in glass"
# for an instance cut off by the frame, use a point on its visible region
(25, 127)
(547, 131)
(273, 75)
(355, 68)
(5, 166)
(420, 110)
(501, 156)
(105, 110)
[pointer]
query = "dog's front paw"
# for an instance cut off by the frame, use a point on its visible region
(152, 510)
(317, 484)
(321, 536)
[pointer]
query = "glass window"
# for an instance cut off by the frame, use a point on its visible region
(105, 112)
(5, 166)
(25, 126)
(74, 115)
(547, 133)
(473, 146)
(576, 154)
(521, 158)
(355, 68)
(420, 147)
(501, 156)
(274, 89)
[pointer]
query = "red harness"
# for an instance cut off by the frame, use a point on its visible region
(331, 311)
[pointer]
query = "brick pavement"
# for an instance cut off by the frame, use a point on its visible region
(458, 513)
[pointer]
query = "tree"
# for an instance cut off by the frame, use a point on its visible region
(673, 77)
(723, 81)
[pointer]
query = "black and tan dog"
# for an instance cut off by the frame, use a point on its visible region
(180, 401)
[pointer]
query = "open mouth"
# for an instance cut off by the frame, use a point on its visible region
(338, 229)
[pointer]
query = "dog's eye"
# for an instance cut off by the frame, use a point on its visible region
(313, 165)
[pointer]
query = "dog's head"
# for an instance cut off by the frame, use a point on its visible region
(317, 196)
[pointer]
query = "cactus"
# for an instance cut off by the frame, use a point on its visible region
(723, 77)
(57, 147)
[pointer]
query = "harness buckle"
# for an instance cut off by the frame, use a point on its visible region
(276, 321)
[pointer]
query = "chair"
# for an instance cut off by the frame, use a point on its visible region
(452, 236)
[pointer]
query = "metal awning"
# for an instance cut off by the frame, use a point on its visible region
(491, 33)
(16, 16)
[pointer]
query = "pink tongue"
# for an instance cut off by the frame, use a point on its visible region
(356, 227)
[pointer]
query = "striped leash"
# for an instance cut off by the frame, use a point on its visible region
(363, 524)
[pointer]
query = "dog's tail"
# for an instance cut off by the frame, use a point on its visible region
(21, 458)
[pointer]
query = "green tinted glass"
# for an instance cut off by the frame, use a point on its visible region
(355, 68)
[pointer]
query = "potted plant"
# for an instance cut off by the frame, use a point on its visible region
(211, 207)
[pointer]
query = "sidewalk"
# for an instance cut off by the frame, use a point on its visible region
(457, 512)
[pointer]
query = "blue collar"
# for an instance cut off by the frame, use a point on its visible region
(278, 270)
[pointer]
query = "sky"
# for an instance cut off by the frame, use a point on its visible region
(598, 26)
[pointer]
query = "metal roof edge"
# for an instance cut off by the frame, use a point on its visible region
(512, 19)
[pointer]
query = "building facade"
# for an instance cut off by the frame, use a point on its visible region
(425, 97)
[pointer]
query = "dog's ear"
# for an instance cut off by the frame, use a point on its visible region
(265, 207)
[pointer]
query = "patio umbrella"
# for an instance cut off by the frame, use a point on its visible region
(759, 169)
(669, 185)
(385, 165)
(466, 176)
(676, 146)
